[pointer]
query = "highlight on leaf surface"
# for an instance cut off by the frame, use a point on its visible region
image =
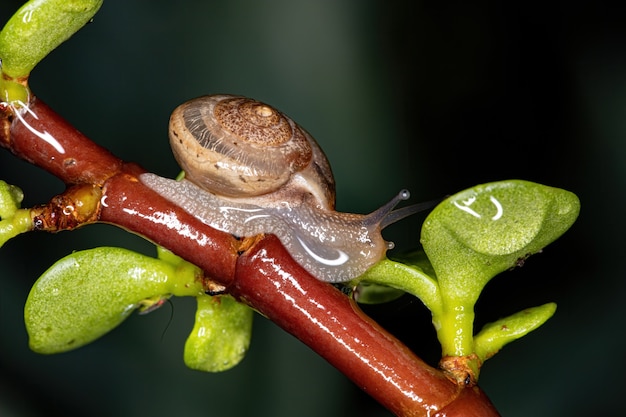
(482, 231)
(487, 229)
(88, 293)
(468, 239)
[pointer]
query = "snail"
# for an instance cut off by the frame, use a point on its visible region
(250, 170)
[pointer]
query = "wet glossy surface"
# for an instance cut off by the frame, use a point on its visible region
(133, 206)
(59, 147)
(327, 321)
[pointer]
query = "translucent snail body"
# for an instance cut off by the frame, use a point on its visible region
(251, 170)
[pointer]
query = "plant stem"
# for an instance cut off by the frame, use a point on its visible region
(257, 271)
(455, 330)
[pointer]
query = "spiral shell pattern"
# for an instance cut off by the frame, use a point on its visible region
(242, 147)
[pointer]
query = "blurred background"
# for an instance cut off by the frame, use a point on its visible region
(431, 96)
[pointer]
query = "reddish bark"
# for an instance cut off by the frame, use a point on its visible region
(42, 138)
(471, 402)
(264, 276)
(325, 319)
(129, 204)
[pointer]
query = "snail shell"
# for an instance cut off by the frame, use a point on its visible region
(238, 147)
(251, 170)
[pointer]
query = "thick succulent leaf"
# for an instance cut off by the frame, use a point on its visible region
(221, 334)
(482, 231)
(13, 220)
(88, 293)
(10, 199)
(406, 277)
(494, 336)
(37, 28)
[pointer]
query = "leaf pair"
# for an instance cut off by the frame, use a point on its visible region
(468, 239)
(88, 293)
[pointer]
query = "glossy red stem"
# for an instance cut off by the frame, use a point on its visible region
(329, 322)
(129, 204)
(42, 138)
(265, 276)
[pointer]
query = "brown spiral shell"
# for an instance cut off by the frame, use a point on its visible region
(238, 147)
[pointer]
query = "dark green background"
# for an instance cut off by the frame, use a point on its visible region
(431, 96)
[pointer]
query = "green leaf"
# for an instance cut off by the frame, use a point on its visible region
(494, 336)
(37, 28)
(10, 199)
(482, 231)
(221, 334)
(373, 293)
(88, 293)
(407, 277)
(13, 220)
